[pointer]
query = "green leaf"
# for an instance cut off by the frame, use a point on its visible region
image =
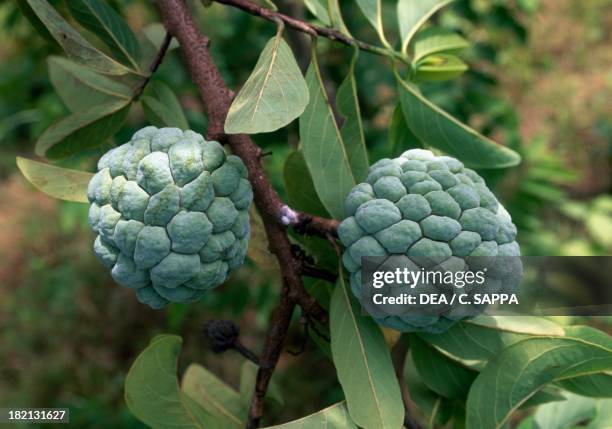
(273, 96)
(82, 130)
(412, 14)
(150, 39)
(426, 399)
(155, 33)
(484, 336)
(299, 187)
(79, 87)
(335, 14)
(437, 40)
(333, 417)
(37, 24)
(437, 128)
(75, 45)
(423, 397)
(603, 415)
(62, 183)
(515, 374)
(162, 107)
(152, 391)
(565, 414)
(529, 6)
(440, 67)
(519, 324)
(323, 147)
(545, 395)
(10, 123)
(347, 103)
(590, 334)
(442, 375)
(436, 408)
(526, 423)
(322, 291)
(319, 9)
(372, 9)
(400, 136)
(214, 396)
(102, 20)
(363, 364)
(328, 12)
(593, 385)
(248, 376)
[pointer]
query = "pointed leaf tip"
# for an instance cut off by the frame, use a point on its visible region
(57, 182)
(437, 128)
(274, 95)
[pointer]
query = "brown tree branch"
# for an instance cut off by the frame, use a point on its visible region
(217, 99)
(311, 29)
(275, 338)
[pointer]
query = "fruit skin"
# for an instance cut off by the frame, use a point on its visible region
(422, 205)
(171, 214)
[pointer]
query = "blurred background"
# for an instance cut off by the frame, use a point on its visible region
(540, 81)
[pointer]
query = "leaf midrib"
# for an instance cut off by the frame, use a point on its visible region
(275, 48)
(576, 341)
(109, 31)
(219, 406)
(323, 94)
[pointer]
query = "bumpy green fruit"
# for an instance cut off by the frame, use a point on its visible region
(171, 211)
(422, 205)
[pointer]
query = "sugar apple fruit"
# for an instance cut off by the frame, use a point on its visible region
(171, 211)
(422, 205)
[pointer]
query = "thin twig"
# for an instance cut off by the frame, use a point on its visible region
(318, 332)
(307, 224)
(318, 273)
(246, 352)
(311, 29)
(159, 57)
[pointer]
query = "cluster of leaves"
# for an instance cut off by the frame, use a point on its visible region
(476, 376)
(97, 86)
(467, 375)
(276, 93)
(535, 193)
(273, 96)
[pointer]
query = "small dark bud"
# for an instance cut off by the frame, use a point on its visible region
(221, 334)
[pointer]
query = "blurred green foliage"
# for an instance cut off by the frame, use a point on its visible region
(69, 334)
